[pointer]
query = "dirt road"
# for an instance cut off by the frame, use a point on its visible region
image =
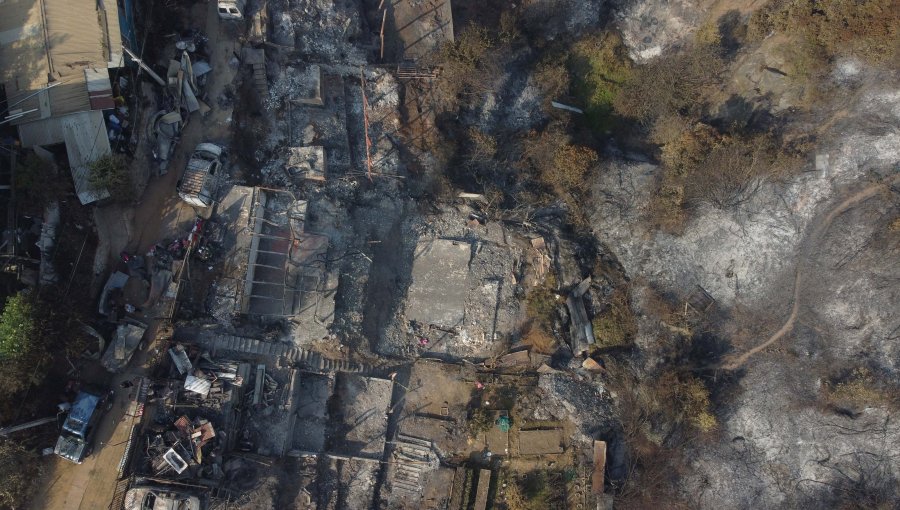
(817, 233)
(160, 214)
(90, 486)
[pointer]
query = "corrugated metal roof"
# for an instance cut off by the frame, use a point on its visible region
(181, 360)
(55, 44)
(197, 385)
(86, 141)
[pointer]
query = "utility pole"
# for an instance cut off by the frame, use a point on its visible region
(362, 81)
(383, 19)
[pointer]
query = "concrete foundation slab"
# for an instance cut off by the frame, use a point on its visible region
(540, 442)
(439, 283)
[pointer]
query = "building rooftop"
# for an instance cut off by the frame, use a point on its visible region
(46, 48)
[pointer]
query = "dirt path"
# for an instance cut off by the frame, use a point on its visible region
(160, 214)
(813, 240)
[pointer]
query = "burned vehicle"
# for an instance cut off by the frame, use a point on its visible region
(159, 498)
(165, 130)
(78, 429)
(198, 184)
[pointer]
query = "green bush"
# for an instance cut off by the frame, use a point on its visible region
(18, 328)
(111, 173)
(22, 349)
(481, 421)
(32, 329)
(600, 67)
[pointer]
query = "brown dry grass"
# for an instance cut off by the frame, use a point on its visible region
(539, 339)
(829, 28)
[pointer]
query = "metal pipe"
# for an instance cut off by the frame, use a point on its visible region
(18, 116)
(144, 66)
(29, 96)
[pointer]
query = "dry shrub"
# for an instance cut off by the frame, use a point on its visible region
(704, 166)
(560, 166)
(858, 388)
(688, 148)
(539, 148)
(539, 339)
(675, 84)
(894, 226)
(656, 305)
(616, 326)
(666, 212)
(869, 29)
(40, 182)
(672, 403)
(509, 26)
(552, 77)
(543, 301)
(691, 398)
(654, 465)
(729, 172)
(669, 127)
(469, 64)
(19, 471)
(482, 147)
(708, 34)
(571, 164)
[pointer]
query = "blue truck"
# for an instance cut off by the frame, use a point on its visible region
(78, 429)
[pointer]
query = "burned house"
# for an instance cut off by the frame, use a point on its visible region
(461, 299)
(274, 269)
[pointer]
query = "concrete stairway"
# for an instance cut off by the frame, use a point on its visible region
(413, 454)
(302, 358)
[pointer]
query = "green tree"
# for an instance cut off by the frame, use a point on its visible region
(22, 343)
(17, 328)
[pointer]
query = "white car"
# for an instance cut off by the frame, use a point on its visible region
(159, 498)
(198, 184)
